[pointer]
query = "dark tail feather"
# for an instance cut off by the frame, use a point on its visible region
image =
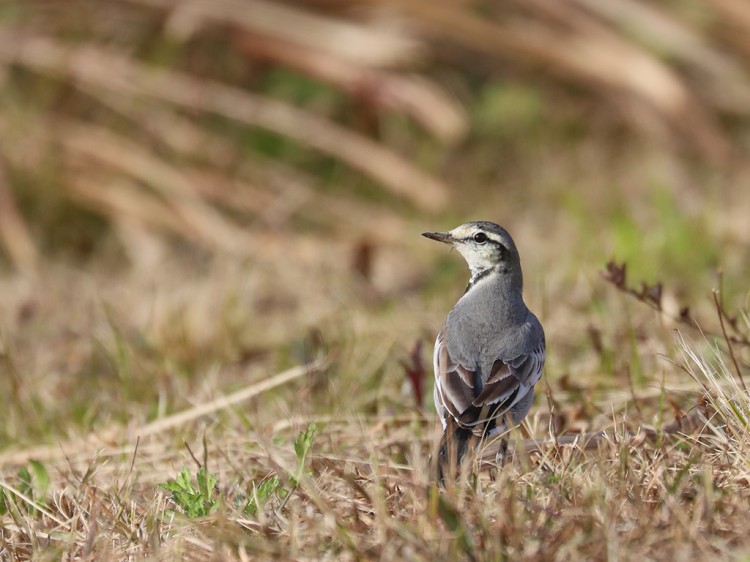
(453, 446)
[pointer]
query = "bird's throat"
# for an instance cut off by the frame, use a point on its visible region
(478, 275)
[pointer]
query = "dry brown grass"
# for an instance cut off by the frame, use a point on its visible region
(181, 290)
(179, 377)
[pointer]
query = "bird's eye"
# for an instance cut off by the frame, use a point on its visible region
(480, 238)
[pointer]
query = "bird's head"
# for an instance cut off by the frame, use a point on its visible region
(486, 247)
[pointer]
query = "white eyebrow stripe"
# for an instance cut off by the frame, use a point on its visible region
(491, 236)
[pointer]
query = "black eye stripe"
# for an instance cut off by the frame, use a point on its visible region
(490, 240)
(502, 247)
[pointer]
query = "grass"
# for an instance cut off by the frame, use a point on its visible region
(213, 347)
(123, 480)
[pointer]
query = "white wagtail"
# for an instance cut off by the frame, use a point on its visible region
(490, 352)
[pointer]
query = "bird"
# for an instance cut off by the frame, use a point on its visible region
(491, 349)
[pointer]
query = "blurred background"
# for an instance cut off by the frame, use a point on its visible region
(196, 193)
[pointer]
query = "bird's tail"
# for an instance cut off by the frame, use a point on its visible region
(453, 446)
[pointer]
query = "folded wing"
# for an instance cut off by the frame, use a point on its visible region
(477, 405)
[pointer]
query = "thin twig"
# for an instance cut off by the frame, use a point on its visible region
(132, 464)
(192, 455)
(720, 312)
(651, 295)
(551, 405)
(94, 441)
(590, 441)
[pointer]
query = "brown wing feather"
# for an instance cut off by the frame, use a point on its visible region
(499, 371)
(507, 383)
(496, 391)
(451, 380)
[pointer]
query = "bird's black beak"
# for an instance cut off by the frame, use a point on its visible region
(444, 237)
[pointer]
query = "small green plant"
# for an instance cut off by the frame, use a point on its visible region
(302, 446)
(262, 492)
(195, 499)
(33, 483)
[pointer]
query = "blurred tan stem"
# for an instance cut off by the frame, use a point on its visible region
(412, 95)
(14, 234)
(114, 73)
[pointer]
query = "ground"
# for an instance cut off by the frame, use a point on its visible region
(217, 311)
